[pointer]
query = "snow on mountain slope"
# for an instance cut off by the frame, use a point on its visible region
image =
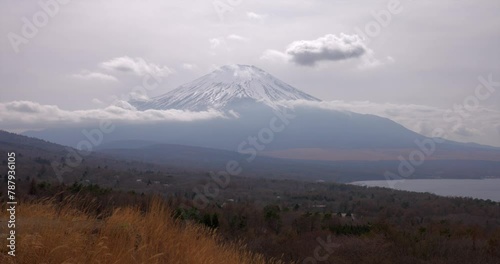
(225, 87)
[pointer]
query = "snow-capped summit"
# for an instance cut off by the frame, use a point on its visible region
(224, 88)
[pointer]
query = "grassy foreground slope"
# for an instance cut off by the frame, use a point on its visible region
(51, 233)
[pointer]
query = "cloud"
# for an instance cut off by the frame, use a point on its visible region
(97, 101)
(236, 71)
(483, 126)
(236, 37)
(255, 16)
(216, 42)
(222, 42)
(274, 55)
(189, 66)
(369, 61)
(137, 66)
(423, 119)
(27, 107)
(327, 48)
(88, 75)
(32, 115)
(463, 131)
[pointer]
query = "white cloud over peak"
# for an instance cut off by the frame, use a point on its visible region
(369, 61)
(222, 42)
(236, 37)
(216, 42)
(256, 16)
(137, 66)
(327, 48)
(88, 75)
(189, 66)
(274, 55)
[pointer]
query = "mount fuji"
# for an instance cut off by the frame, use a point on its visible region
(225, 88)
(249, 99)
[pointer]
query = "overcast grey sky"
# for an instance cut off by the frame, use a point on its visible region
(427, 58)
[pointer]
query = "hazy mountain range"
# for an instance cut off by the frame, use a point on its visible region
(268, 136)
(186, 161)
(252, 100)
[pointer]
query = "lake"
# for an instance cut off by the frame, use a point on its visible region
(482, 189)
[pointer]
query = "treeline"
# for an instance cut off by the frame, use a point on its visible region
(365, 225)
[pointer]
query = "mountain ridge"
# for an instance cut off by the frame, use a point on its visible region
(225, 88)
(254, 95)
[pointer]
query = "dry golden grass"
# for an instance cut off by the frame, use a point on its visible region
(46, 234)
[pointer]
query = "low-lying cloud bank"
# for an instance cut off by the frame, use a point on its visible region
(19, 115)
(482, 125)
